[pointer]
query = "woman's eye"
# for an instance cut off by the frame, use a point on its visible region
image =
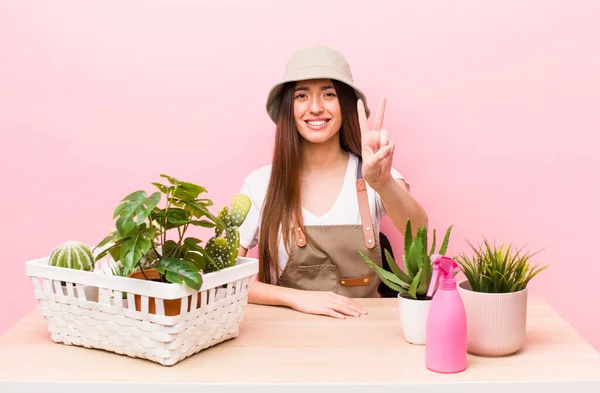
(330, 94)
(301, 95)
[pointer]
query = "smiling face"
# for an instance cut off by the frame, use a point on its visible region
(317, 110)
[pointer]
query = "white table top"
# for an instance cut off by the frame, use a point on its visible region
(278, 346)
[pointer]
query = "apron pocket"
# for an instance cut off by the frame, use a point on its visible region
(317, 277)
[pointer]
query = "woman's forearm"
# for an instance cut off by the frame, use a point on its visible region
(400, 206)
(267, 294)
(272, 295)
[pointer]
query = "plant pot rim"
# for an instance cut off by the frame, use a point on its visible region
(413, 300)
(461, 287)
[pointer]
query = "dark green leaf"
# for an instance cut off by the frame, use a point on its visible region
(170, 249)
(177, 217)
(197, 258)
(203, 223)
(191, 241)
(176, 270)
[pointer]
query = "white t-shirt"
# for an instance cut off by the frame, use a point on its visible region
(345, 211)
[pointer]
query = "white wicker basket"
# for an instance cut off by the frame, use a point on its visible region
(98, 310)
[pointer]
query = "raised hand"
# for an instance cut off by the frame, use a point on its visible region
(377, 149)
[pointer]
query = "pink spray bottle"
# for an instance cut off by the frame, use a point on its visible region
(446, 340)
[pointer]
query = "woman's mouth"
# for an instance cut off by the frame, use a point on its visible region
(317, 124)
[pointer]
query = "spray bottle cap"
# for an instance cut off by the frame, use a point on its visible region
(446, 266)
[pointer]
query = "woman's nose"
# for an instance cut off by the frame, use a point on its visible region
(316, 105)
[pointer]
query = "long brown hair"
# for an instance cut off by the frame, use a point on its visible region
(284, 191)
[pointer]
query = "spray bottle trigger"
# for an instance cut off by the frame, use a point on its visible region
(435, 262)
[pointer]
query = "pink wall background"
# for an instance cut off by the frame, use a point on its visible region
(493, 106)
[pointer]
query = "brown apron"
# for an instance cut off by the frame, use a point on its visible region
(331, 262)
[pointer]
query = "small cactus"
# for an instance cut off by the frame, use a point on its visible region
(73, 255)
(224, 250)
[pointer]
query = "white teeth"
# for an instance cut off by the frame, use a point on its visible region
(317, 123)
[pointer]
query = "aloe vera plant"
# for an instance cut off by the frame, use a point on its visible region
(148, 236)
(498, 269)
(414, 280)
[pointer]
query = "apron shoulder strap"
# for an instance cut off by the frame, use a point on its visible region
(363, 205)
(365, 213)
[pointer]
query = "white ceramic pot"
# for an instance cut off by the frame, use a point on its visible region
(496, 322)
(413, 319)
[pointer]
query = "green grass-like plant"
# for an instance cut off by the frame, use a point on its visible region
(498, 269)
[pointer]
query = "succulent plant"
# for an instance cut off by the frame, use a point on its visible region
(224, 246)
(73, 255)
(414, 282)
(498, 269)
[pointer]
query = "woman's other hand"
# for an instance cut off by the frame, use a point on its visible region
(325, 303)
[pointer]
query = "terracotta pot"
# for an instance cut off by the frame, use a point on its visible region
(496, 322)
(413, 319)
(172, 306)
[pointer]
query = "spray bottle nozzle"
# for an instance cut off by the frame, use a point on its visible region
(444, 265)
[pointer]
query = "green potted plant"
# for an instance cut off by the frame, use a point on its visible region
(495, 296)
(412, 283)
(150, 242)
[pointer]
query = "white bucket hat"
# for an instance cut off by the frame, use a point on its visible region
(320, 62)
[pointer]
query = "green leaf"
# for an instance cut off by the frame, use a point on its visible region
(197, 258)
(188, 192)
(170, 249)
(204, 202)
(133, 249)
(432, 244)
(115, 252)
(382, 273)
(108, 250)
(415, 256)
(393, 286)
(421, 246)
(171, 180)
(200, 211)
(176, 271)
(425, 276)
(202, 223)
(177, 217)
(412, 291)
(106, 240)
(407, 237)
(395, 268)
(191, 241)
(445, 242)
(164, 189)
(135, 205)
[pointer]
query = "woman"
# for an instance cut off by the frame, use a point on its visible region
(322, 198)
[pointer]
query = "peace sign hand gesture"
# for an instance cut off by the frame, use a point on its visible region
(377, 150)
